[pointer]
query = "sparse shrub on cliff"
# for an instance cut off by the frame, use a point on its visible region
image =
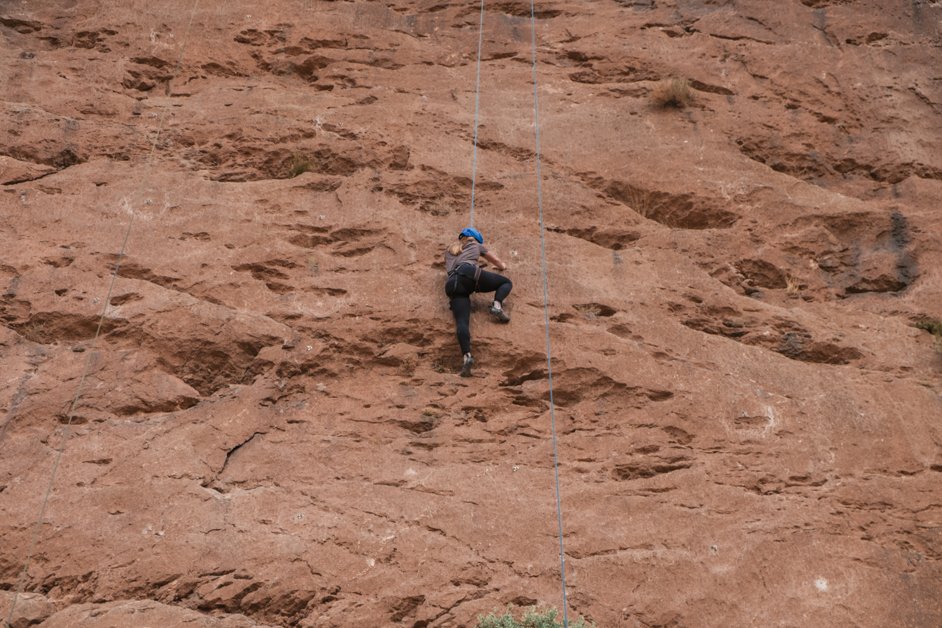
(640, 201)
(934, 327)
(931, 325)
(533, 618)
(299, 164)
(673, 93)
(792, 286)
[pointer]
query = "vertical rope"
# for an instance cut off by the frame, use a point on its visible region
(477, 108)
(34, 537)
(546, 320)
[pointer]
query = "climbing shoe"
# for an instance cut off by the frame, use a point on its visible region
(500, 314)
(466, 366)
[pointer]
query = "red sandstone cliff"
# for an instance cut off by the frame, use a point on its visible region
(271, 431)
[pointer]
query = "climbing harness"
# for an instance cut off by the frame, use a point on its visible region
(543, 267)
(90, 353)
(468, 270)
(464, 270)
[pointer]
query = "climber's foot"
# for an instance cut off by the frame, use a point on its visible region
(499, 314)
(466, 366)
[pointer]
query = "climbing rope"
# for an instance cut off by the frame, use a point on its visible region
(477, 108)
(546, 320)
(544, 271)
(21, 583)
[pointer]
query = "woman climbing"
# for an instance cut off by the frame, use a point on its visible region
(466, 275)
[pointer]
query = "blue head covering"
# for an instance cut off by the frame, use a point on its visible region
(469, 232)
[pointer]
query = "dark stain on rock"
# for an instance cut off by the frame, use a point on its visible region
(906, 268)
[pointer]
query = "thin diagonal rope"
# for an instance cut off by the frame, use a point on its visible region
(546, 320)
(17, 398)
(21, 584)
(34, 537)
(477, 109)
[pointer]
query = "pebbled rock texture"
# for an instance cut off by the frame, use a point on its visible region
(268, 428)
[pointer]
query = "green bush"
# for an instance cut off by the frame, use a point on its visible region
(533, 618)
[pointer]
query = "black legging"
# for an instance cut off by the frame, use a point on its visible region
(459, 287)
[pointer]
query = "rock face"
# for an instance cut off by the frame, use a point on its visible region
(266, 427)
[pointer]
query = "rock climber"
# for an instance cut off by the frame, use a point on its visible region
(466, 275)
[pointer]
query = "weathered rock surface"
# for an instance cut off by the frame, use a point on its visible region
(270, 431)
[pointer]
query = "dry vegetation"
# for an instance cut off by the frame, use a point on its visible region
(673, 93)
(299, 164)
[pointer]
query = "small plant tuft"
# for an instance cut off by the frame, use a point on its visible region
(934, 327)
(299, 164)
(931, 325)
(792, 286)
(674, 93)
(641, 201)
(533, 618)
(590, 311)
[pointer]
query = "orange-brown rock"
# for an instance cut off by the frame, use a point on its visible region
(268, 428)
